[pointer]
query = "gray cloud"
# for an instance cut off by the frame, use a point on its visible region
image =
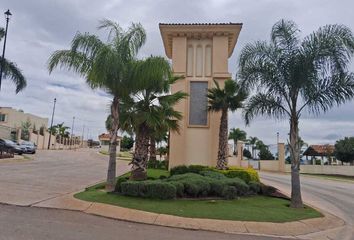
(39, 27)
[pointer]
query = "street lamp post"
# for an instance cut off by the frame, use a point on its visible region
(7, 17)
(51, 123)
(72, 132)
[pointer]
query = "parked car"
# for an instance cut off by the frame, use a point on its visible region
(28, 147)
(12, 146)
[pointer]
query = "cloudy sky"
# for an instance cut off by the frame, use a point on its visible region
(39, 27)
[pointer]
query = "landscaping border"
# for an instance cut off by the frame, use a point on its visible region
(292, 229)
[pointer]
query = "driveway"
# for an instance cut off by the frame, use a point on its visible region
(51, 174)
(336, 197)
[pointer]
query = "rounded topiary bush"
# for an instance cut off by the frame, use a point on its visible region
(229, 192)
(254, 187)
(212, 174)
(179, 170)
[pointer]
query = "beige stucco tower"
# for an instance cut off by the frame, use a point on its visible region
(200, 54)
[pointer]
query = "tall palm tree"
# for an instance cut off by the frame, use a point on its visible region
(292, 75)
(237, 134)
(229, 98)
(11, 71)
(106, 65)
(252, 141)
(148, 110)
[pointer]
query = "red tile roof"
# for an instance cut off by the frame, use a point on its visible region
(319, 150)
(106, 136)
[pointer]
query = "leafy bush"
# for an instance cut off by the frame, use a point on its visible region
(255, 187)
(196, 168)
(229, 192)
(179, 188)
(149, 189)
(246, 174)
(120, 180)
(267, 190)
(179, 170)
(216, 187)
(241, 187)
(212, 174)
(196, 187)
(179, 177)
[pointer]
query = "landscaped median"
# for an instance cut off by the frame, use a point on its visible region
(201, 193)
(251, 214)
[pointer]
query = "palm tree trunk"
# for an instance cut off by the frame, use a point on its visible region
(223, 146)
(296, 199)
(111, 172)
(152, 150)
(140, 157)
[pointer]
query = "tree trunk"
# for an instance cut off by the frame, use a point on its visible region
(152, 150)
(111, 172)
(223, 145)
(140, 157)
(296, 199)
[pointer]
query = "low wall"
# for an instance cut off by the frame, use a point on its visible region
(269, 165)
(324, 169)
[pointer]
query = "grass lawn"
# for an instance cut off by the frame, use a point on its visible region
(257, 208)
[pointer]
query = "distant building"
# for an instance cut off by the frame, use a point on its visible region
(13, 118)
(104, 139)
(325, 152)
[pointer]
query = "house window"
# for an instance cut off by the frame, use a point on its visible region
(198, 103)
(2, 117)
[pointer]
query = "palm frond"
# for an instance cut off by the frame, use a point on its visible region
(13, 73)
(263, 104)
(114, 30)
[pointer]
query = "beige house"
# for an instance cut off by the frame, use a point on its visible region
(14, 118)
(200, 53)
(104, 139)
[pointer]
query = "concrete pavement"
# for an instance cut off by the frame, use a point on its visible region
(51, 174)
(336, 197)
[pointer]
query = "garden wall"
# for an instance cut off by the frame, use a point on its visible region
(325, 169)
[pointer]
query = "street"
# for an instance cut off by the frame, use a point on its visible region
(335, 197)
(52, 174)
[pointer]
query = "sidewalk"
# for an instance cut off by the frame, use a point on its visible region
(297, 229)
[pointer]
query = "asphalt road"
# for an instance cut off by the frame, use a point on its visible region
(335, 197)
(51, 174)
(31, 223)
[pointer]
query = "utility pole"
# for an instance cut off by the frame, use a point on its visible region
(82, 138)
(72, 132)
(51, 123)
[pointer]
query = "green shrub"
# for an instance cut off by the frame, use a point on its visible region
(120, 180)
(267, 190)
(196, 168)
(229, 192)
(216, 187)
(160, 190)
(241, 187)
(255, 187)
(246, 174)
(196, 187)
(149, 189)
(179, 170)
(179, 177)
(212, 174)
(179, 188)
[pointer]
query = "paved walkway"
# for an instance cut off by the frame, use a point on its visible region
(51, 174)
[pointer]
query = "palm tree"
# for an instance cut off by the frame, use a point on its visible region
(106, 65)
(252, 141)
(11, 71)
(237, 134)
(231, 97)
(292, 75)
(62, 130)
(148, 110)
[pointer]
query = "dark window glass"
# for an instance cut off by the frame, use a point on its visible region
(198, 103)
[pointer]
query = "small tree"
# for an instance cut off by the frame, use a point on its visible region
(127, 143)
(265, 154)
(229, 98)
(344, 150)
(25, 130)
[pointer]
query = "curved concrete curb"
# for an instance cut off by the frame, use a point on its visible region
(295, 229)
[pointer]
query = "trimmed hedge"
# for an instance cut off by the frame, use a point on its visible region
(149, 189)
(246, 174)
